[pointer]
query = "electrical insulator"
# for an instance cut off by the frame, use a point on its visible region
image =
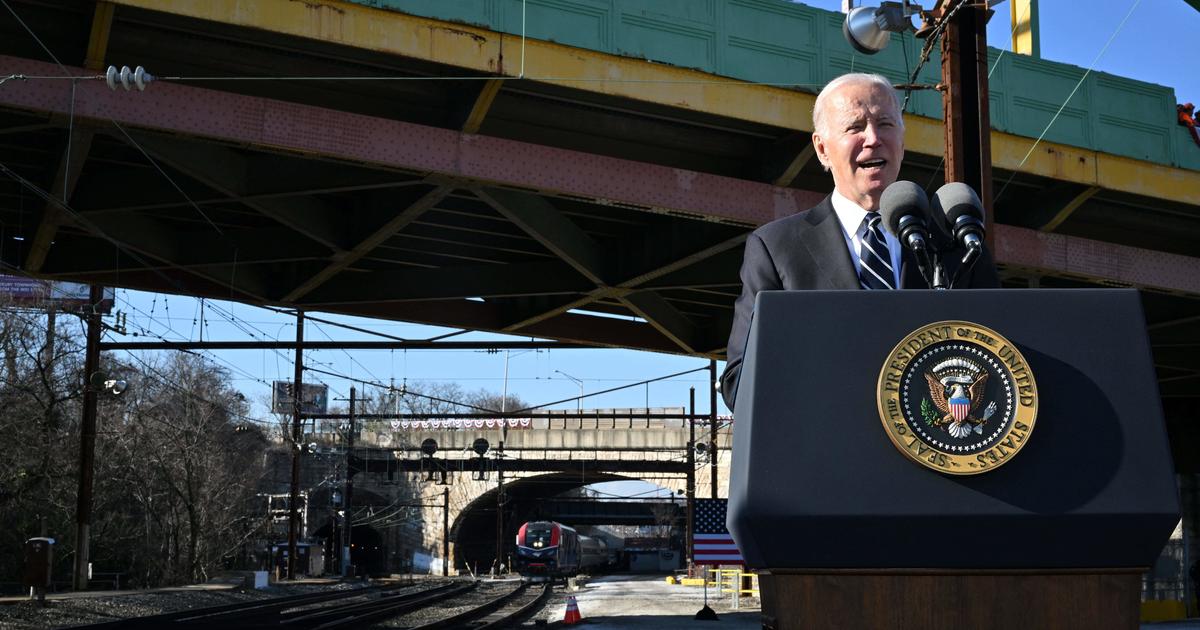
(127, 78)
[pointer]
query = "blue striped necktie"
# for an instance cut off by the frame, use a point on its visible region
(875, 268)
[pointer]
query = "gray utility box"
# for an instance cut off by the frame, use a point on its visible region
(39, 555)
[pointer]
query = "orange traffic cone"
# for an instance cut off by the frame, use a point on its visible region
(572, 616)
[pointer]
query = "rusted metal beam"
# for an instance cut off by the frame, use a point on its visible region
(965, 103)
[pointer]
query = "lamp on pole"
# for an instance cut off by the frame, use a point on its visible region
(579, 382)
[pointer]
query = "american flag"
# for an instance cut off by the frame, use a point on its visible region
(711, 542)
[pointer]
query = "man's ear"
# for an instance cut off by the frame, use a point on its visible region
(819, 148)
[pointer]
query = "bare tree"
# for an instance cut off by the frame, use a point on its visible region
(40, 389)
(185, 464)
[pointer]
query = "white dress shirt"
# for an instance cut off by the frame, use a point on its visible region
(851, 215)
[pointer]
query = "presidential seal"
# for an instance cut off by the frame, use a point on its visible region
(957, 397)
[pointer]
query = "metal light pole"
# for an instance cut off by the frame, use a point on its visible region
(500, 465)
(579, 382)
(297, 437)
(500, 471)
(712, 420)
(445, 532)
(347, 494)
(691, 477)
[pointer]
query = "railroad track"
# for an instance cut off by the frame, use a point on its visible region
(496, 611)
(290, 610)
(462, 605)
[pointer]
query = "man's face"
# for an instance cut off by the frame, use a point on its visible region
(862, 143)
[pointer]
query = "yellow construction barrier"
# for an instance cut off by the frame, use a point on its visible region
(1163, 610)
(744, 583)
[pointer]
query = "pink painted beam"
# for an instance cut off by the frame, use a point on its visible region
(1096, 260)
(274, 124)
(279, 125)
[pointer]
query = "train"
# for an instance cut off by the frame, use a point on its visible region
(550, 550)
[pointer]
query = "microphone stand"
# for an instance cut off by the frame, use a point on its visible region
(939, 277)
(968, 261)
(921, 251)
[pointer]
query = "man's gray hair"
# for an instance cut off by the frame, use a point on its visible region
(854, 77)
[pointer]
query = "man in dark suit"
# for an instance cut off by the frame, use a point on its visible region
(839, 243)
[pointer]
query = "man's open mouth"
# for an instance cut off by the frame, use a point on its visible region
(874, 163)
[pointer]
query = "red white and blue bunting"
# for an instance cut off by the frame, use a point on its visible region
(460, 423)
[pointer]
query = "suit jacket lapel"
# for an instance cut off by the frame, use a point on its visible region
(827, 245)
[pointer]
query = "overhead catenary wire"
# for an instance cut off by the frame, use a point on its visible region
(1068, 99)
(404, 392)
(206, 355)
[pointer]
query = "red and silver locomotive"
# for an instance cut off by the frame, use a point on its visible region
(546, 549)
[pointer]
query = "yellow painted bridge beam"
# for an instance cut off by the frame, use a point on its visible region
(480, 52)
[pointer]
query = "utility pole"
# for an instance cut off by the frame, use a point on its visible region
(87, 441)
(445, 532)
(965, 102)
(712, 422)
(347, 495)
(691, 478)
(48, 361)
(500, 471)
(297, 438)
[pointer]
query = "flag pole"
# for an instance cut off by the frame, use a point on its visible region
(706, 613)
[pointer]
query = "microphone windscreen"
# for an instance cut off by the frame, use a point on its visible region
(901, 199)
(956, 199)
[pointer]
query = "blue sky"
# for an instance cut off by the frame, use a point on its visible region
(1151, 45)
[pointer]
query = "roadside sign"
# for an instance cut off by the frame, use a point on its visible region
(314, 398)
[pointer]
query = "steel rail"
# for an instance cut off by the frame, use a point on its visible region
(253, 608)
(370, 612)
(520, 613)
(480, 612)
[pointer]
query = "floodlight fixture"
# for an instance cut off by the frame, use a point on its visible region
(869, 29)
(102, 383)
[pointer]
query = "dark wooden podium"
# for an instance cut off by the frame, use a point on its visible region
(848, 532)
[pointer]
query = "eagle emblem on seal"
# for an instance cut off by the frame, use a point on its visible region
(956, 387)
